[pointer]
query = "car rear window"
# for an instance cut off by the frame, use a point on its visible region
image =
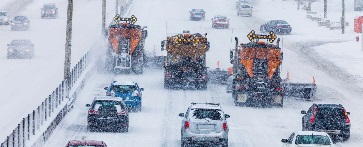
(312, 139)
(108, 104)
(324, 113)
(20, 43)
(245, 6)
(213, 114)
(123, 88)
(49, 6)
(3, 14)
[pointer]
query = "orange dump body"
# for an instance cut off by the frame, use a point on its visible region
(248, 54)
(115, 34)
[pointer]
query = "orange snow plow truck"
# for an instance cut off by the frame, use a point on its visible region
(126, 47)
(256, 71)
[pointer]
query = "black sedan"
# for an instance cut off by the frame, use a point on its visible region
(20, 23)
(20, 49)
(277, 26)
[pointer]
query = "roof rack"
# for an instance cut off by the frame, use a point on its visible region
(217, 104)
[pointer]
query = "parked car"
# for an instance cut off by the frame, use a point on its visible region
(4, 19)
(86, 143)
(20, 49)
(108, 113)
(220, 22)
(276, 26)
(49, 11)
(244, 9)
(197, 14)
(308, 139)
(20, 23)
(330, 118)
(204, 123)
(129, 91)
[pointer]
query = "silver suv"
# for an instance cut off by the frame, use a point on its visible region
(204, 123)
(4, 19)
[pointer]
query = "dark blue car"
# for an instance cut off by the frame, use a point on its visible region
(129, 91)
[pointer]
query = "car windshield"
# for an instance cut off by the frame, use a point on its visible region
(123, 88)
(107, 104)
(312, 139)
(3, 14)
(324, 113)
(20, 18)
(245, 6)
(213, 114)
(280, 22)
(20, 43)
(49, 6)
(221, 18)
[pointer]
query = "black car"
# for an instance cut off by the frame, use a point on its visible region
(276, 26)
(197, 14)
(330, 118)
(49, 11)
(108, 113)
(20, 49)
(20, 23)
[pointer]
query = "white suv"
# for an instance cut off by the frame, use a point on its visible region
(244, 9)
(204, 123)
(4, 19)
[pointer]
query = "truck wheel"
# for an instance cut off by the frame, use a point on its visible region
(166, 85)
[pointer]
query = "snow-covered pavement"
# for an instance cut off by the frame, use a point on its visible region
(159, 125)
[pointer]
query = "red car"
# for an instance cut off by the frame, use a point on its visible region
(86, 143)
(220, 22)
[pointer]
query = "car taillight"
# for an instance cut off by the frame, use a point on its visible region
(278, 88)
(123, 112)
(347, 120)
(167, 75)
(312, 119)
(279, 26)
(225, 126)
(186, 125)
(108, 93)
(203, 76)
(92, 112)
(241, 87)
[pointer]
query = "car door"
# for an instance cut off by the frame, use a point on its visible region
(307, 117)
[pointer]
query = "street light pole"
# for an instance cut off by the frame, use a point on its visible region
(67, 61)
(325, 8)
(116, 7)
(103, 15)
(343, 17)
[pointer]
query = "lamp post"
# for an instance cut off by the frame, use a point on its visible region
(67, 61)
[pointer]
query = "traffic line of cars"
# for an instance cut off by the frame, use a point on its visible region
(24, 48)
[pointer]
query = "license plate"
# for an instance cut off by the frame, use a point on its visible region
(241, 98)
(206, 127)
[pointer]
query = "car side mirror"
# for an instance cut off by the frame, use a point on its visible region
(303, 112)
(105, 88)
(8, 44)
(87, 105)
(348, 113)
(181, 114)
(227, 116)
(284, 140)
(141, 89)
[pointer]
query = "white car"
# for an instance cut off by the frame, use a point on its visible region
(244, 9)
(308, 139)
(4, 19)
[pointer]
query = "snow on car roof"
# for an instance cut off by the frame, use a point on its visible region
(107, 98)
(123, 83)
(310, 132)
(85, 142)
(206, 106)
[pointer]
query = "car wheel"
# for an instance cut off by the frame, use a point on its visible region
(224, 143)
(91, 129)
(345, 135)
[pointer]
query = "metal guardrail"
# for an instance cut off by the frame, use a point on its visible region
(38, 125)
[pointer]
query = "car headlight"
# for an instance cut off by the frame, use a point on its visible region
(25, 23)
(12, 23)
(5, 19)
(10, 50)
(26, 50)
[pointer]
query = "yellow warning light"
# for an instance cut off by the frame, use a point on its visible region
(252, 36)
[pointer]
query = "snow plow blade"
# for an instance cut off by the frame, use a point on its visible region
(301, 90)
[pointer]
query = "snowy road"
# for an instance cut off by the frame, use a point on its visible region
(159, 125)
